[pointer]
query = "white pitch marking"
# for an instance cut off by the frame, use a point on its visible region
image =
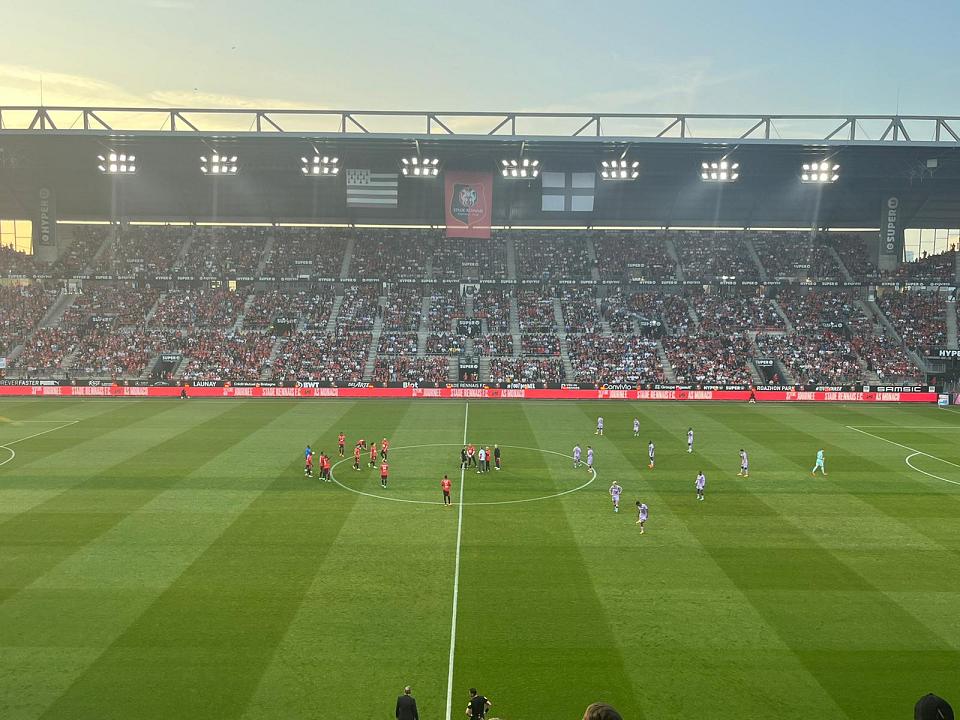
(456, 574)
(13, 454)
(593, 476)
(911, 449)
(907, 461)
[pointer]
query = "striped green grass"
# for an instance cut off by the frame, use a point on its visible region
(167, 559)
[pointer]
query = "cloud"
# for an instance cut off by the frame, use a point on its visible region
(20, 85)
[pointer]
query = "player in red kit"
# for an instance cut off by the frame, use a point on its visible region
(356, 458)
(373, 454)
(325, 467)
(445, 487)
(341, 441)
(384, 469)
(308, 465)
(384, 448)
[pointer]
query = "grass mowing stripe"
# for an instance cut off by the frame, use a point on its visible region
(45, 535)
(202, 647)
(528, 608)
(376, 616)
(827, 613)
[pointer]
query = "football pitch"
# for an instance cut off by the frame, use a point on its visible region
(168, 559)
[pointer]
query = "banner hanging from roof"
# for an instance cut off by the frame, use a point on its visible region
(468, 203)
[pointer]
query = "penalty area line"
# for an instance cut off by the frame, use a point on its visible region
(13, 454)
(914, 452)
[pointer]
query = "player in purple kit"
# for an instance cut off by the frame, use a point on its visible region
(744, 464)
(576, 456)
(589, 458)
(701, 484)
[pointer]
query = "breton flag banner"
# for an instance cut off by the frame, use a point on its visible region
(369, 189)
(568, 192)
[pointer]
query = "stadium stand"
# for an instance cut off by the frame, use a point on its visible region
(322, 357)
(637, 255)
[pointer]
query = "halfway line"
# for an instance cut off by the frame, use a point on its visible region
(456, 575)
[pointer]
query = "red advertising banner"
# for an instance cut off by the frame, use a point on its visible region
(468, 203)
(479, 393)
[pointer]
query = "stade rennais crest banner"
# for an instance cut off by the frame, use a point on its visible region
(468, 203)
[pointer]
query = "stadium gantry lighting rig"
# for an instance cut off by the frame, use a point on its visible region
(619, 169)
(721, 171)
(219, 164)
(320, 166)
(823, 172)
(519, 169)
(421, 167)
(117, 164)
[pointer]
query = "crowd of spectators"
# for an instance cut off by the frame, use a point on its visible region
(225, 251)
(45, 351)
(397, 343)
(21, 308)
(549, 256)
(322, 357)
(581, 312)
(494, 344)
(526, 370)
(795, 256)
(185, 307)
(615, 359)
(403, 309)
(14, 262)
(855, 255)
(704, 359)
(536, 310)
(444, 343)
(122, 303)
(77, 256)
(812, 311)
(825, 357)
(734, 313)
(404, 255)
(123, 353)
(433, 369)
(706, 255)
(446, 307)
(149, 250)
(918, 317)
(311, 252)
(493, 306)
(470, 259)
(360, 308)
(540, 344)
(633, 255)
(310, 307)
(939, 268)
(886, 358)
(217, 355)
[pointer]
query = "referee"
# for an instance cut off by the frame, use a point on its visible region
(477, 709)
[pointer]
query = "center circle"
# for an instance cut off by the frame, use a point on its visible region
(560, 493)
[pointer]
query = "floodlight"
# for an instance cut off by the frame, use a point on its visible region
(520, 169)
(117, 164)
(420, 167)
(619, 169)
(719, 171)
(820, 172)
(319, 166)
(219, 164)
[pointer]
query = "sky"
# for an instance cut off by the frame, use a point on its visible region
(770, 56)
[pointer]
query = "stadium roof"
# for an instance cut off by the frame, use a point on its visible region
(916, 158)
